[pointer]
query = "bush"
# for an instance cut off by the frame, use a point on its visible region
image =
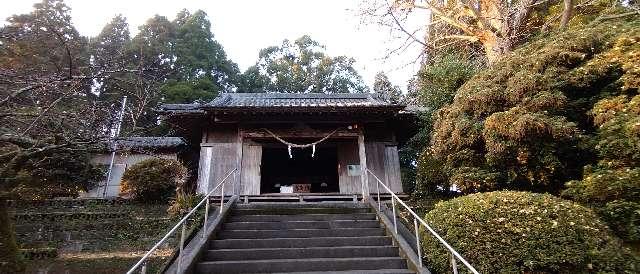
(516, 232)
(612, 187)
(183, 203)
(153, 180)
(614, 193)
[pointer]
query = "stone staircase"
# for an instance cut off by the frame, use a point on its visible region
(338, 237)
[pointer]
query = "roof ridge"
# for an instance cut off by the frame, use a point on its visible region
(287, 95)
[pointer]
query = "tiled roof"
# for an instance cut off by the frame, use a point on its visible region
(262, 100)
(150, 142)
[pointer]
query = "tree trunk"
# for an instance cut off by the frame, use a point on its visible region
(566, 14)
(9, 259)
(494, 46)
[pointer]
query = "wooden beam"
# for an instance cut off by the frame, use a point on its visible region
(296, 133)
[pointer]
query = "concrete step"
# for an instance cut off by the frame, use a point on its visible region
(300, 242)
(296, 211)
(301, 205)
(308, 217)
(289, 265)
(302, 224)
(300, 253)
(371, 271)
(300, 233)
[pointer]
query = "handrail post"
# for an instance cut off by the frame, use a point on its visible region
(222, 198)
(378, 189)
(181, 247)
(454, 264)
(395, 219)
(206, 216)
(233, 185)
(418, 248)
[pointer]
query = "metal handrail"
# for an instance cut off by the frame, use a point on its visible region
(182, 223)
(416, 219)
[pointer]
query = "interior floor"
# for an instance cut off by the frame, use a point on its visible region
(319, 171)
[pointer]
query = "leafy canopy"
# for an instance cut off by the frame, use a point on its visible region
(301, 66)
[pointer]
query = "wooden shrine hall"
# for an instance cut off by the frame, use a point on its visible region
(287, 143)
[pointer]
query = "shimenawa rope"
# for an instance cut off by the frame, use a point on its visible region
(290, 145)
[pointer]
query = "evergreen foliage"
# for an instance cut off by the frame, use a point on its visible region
(612, 185)
(522, 232)
(56, 173)
(434, 87)
(386, 90)
(301, 66)
(154, 180)
(524, 123)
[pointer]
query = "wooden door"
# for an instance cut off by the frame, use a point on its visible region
(250, 174)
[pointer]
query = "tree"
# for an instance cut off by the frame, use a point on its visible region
(174, 62)
(385, 89)
(434, 87)
(302, 66)
(199, 56)
(151, 55)
(46, 104)
(495, 27)
(202, 67)
(108, 51)
(524, 123)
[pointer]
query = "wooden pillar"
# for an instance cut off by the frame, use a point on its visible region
(238, 174)
(364, 175)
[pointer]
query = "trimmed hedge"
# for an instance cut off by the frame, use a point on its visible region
(516, 232)
(153, 180)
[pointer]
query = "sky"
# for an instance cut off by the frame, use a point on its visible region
(243, 27)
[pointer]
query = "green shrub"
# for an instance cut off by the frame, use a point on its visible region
(153, 180)
(614, 193)
(612, 187)
(522, 232)
(183, 203)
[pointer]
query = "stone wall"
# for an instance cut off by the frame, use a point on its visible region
(88, 225)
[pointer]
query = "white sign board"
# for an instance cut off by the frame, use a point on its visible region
(353, 170)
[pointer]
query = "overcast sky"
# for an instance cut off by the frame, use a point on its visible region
(243, 27)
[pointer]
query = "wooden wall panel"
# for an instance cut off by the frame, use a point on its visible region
(250, 174)
(375, 163)
(223, 160)
(392, 168)
(348, 155)
(204, 169)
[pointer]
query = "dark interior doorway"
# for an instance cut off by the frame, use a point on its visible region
(320, 171)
